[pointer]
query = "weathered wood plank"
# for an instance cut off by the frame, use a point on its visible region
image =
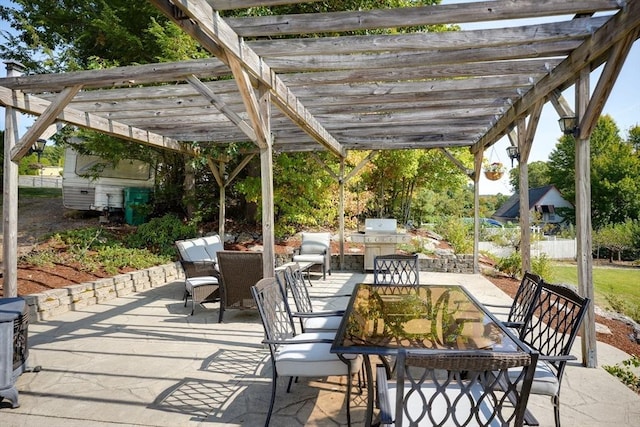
(42, 123)
(127, 77)
(580, 28)
(338, 22)
(243, 4)
(33, 105)
(418, 58)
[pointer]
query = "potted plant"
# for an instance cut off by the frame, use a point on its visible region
(494, 171)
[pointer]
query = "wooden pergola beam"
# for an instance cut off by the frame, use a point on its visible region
(606, 37)
(34, 105)
(337, 22)
(196, 18)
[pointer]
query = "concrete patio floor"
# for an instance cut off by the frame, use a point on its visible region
(141, 360)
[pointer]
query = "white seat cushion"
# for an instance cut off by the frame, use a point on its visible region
(324, 323)
(313, 360)
(544, 379)
(194, 282)
(439, 407)
(316, 259)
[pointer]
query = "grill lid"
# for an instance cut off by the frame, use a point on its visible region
(380, 225)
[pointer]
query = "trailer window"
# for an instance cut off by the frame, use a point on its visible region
(128, 169)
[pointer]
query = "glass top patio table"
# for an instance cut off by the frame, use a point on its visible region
(382, 318)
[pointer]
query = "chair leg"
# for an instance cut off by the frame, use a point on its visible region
(324, 272)
(273, 399)
(556, 409)
(193, 306)
(349, 381)
(186, 295)
(289, 385)
(221, 315)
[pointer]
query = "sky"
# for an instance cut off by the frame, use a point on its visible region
(623, 105)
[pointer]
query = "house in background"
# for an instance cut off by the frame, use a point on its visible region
(543, 202)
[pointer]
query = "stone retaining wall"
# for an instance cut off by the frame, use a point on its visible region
(47, 304)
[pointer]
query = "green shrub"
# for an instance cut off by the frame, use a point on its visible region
(160, 234)
(114, 258)
(616, 302)
(511, 264)
(625, 374)
(83, 239)
(40, 258)
(541, 265)
(458, 234)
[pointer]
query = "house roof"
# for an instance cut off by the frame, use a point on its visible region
(370, 91)
(511, 208)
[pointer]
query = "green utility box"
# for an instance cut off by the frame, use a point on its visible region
(134, 198)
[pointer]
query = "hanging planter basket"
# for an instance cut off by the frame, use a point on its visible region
(492, 175)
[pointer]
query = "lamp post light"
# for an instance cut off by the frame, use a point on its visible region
(38, 148)
(568, 125)
(513, 153)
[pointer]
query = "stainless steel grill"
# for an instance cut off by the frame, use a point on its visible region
(380, 237)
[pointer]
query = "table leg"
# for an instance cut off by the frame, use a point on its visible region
(370, 391)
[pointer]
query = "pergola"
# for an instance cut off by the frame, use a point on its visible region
(349, 92)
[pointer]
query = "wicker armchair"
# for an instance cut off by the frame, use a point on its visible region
(239, 271)
(198, 260)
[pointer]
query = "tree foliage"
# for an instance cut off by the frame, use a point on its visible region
(615, 174)
(538, 176)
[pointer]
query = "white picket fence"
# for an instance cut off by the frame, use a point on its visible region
(554, 248)
(36, 181)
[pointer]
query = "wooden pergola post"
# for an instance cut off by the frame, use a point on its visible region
(10, 197)
(477, 167)
(583, 223)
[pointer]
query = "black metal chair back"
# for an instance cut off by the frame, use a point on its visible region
(456, 388)
(523, 301)
(396, 269)
(551, 328)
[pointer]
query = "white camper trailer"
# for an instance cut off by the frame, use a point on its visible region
(106, 192)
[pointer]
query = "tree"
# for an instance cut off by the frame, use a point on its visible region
(538, 176)
(615, 237)
(615, 174)
(634, 138)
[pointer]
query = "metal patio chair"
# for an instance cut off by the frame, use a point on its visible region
(461, 388)
(551, 328)
(292, 282)
(297, 355)
(527, 293)
(396, 269)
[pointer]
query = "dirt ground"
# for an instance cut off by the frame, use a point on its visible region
(38, 217)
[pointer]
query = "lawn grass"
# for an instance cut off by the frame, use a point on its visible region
(623, 283)
(39, 192)
(34, 193)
